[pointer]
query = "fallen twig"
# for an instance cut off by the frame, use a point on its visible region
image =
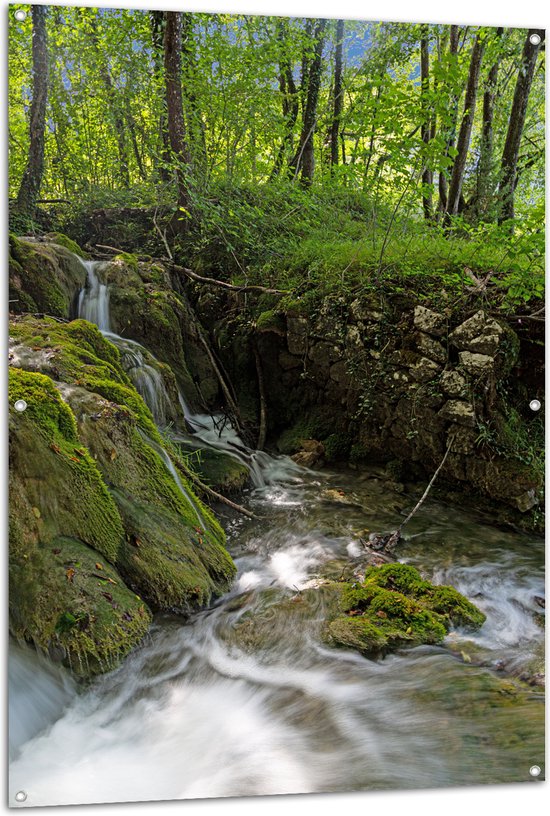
(222, 285)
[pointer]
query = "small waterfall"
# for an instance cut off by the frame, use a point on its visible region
(214, 431)
(93, 301)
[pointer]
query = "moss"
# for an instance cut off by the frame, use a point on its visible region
(337, 447)
(317, 425)
(43, 277)
(46, 447)
(63, 240)
(395, 606)
(217, 469)
(271, 321)
(129, 259)
(70, 603)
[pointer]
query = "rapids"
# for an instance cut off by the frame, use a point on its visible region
(246, 698)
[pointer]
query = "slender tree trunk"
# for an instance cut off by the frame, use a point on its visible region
(426, 128)
(509, 164)
(485, 163)
(174, 106)
(195, 124)
(289, 97)
(115, 108)
(157, 36)
(443, 187)
(304, 161)
(338, 94)
(32, 176)
(463, 143)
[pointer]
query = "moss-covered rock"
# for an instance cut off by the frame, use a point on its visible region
(217, 469)
(43, 277)
(92, 483)
(63, 240)
(394, 606)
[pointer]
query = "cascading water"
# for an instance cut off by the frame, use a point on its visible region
(93, 300)
(246, 697)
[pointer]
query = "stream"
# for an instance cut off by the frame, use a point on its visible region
(245, 698)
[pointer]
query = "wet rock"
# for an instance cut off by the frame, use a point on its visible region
(332, 496)
(480, 334)
(429, 322)
(454, 384)
(476, 364)
(463, 413)
(311, 455)
(297, 331)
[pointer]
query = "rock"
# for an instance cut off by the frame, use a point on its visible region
(297, 331)
(430, 347)
(429, 322)
(394, 607)
(323, 354)
(476, 364)
(462, 440)
(480, 334)
(332, 496)
(425, 370)
(354, 341)
(526, 501)
(289, 361)
(339, 373)
(463, 413)
(454, 384)
(311, 455)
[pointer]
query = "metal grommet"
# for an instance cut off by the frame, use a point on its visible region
(20, 405)
(20, 796)
(534, 39)
(20, 15)
(534, 770)
(534, 405)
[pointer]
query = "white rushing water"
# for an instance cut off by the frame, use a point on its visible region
(246, 697)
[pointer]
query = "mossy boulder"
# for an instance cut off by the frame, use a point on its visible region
(393, 607)
(217, 469)
(65, 535)
(92, 483)
(144, 306)
(43, 277)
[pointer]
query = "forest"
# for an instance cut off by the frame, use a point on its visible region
(285, 144)
(276, 405)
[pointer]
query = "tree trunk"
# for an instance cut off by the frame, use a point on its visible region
(443, 188)
(195, 124)
(157, 36)
(338, 95)
(174, 107)
(304, 161)
(290, 101)
(485, 163)
(463, 143)
(509, 164)
(426, 128)
(114, 99)
(34, 170)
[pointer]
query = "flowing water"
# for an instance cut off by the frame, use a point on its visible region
(246, 697)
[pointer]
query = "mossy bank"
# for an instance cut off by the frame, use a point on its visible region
(101, 533)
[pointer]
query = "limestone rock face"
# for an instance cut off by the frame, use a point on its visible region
(429, 322)
(454, 384)
(462, 413)
(323, 354)
(476, 364)
(297, 334)
(480, 334)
